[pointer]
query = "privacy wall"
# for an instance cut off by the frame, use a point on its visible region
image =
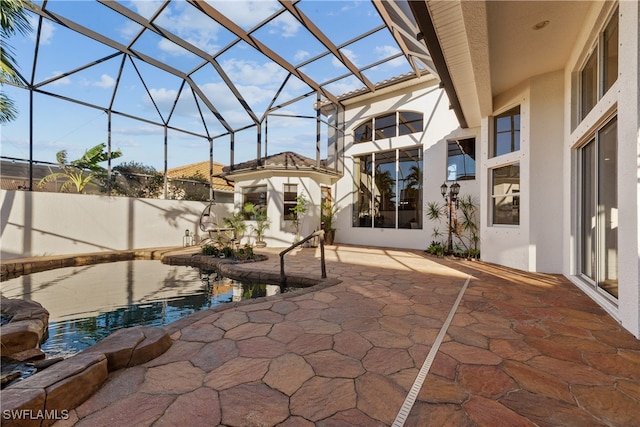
(40, 224)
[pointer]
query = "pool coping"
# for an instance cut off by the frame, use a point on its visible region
(16, 267)
(229, 268)
(59, 388)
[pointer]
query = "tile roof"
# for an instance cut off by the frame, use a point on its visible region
(287, 160)
(202, 168)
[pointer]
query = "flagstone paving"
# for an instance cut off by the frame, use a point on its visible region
(522, 349)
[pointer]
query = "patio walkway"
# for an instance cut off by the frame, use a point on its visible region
(509, 349)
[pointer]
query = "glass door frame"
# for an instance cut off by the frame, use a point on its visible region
(597, 247)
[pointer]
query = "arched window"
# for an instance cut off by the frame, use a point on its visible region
(389, 125)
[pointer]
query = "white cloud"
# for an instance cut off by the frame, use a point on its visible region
(181, 19)
(387, 51)
(246, 13)
(46, 33)
(301, 55)
(353, 57)
(286, 25)
(105, 82)
(61, 81)
(252, 73)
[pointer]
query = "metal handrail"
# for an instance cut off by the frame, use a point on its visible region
(320, 234)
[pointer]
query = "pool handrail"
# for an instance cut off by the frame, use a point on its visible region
(317, 233)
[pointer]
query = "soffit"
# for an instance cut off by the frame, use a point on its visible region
(492, 46)
(518, 51)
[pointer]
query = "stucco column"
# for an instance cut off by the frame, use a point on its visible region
(629, 166)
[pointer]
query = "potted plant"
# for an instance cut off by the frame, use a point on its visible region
(326, 219)
(262, 224)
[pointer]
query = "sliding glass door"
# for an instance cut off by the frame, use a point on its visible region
(599, 210)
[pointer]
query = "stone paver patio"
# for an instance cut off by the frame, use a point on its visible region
(521, 349)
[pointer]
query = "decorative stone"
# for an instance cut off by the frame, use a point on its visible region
(330, 395)
(175, 378)
(71, 392)
(17, 400)
(379, 397)
(253, 405)
(29, 354)
(7, 378)
(202, 407)
(287, 373)
(235, 372)
(155, 343)
(488, 412)
(329, 363)
(72, 382)
(17, 336)
(118, 347)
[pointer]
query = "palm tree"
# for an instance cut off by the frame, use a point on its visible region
(13, 19)
(81, 172)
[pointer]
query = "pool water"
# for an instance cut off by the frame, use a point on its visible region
(88, 303)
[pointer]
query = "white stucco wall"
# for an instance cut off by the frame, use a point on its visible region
(281, 232)
(535, 244)
(38, 224)
(623, 99)
(440, 124)
(629, 167)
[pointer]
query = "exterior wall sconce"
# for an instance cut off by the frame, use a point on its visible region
(450, 194)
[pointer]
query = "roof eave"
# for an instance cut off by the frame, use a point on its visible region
(428, 32)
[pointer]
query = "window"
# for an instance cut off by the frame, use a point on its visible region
(461, 159)
(409, 122)
(505, 183)
(363, 192)
(506, 136)
(600, 71)
(385, 190)
(290, 195)
(363, 133)
(256, 195)
(388, 189)
(388, 126)
(410, 188)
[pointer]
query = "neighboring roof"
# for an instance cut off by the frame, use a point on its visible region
(287, 160)
(202, 168)
(14, 175)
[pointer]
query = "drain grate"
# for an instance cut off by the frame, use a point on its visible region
(417, 384)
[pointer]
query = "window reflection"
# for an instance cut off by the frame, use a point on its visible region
(506, 198)
(388, 189)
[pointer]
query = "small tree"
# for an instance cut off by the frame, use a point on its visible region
(134, 179)
(236, 223)
(259, 215)
(464, 226)
(298, 211)
(13, 19)
(82, 172)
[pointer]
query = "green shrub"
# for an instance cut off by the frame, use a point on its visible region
(436, 248)
(210, 250)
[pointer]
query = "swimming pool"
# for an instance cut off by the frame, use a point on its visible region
(88, 303)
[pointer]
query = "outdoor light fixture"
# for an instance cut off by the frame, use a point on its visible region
(450, 194)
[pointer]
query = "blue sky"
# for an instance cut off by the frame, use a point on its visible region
(59, 124)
